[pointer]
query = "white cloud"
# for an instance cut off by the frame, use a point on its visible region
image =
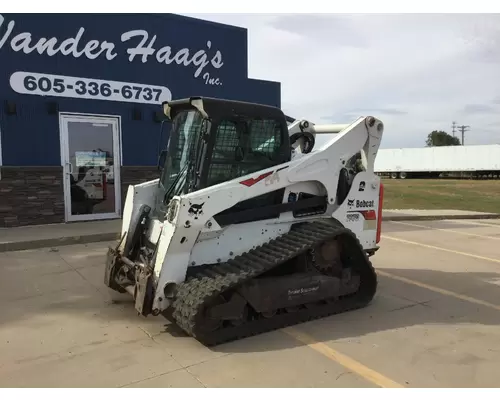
(417, 72)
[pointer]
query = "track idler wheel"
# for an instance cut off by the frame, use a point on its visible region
(326, 258)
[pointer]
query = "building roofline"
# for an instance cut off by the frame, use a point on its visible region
(198, 20)
(264, 80)
(178, 17)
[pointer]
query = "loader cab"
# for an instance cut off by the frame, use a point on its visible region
(214, 140)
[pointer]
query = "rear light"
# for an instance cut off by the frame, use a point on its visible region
(380, 207)
(369, 215)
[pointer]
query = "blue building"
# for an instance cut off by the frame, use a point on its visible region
(80, 118)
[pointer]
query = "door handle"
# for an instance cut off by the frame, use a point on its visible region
(70, 168)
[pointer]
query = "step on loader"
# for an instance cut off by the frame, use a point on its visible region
(251, 226)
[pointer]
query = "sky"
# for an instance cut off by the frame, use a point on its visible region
(415, 72)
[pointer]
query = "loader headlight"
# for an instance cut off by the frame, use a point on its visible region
(173, 207)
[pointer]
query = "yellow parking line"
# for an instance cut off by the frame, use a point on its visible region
(362, 370)
(447, 230)
(439, 290)
(442, 249)
(347, 362)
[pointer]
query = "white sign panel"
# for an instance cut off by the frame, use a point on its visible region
(90, 159)
(86, 88)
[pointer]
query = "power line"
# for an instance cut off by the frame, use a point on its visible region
(453, 128)
(463, 129)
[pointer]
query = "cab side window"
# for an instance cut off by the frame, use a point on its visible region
(242, 147)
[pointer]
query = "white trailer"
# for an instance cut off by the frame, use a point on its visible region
(453, 161)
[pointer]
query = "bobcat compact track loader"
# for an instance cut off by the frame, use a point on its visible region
(251, 227)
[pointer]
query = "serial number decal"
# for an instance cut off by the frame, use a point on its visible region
(352, 217)
(86, 88)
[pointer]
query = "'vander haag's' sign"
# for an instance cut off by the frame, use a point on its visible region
(144, 48)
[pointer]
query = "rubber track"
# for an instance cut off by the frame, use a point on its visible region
(198, 292)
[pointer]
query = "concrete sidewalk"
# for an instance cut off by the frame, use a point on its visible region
(38, 236)
(34, 237)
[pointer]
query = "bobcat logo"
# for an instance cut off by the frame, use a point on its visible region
(350, 203)
(196, 210)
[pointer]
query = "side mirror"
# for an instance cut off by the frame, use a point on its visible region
(162, 159)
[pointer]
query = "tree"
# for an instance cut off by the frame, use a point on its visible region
(441, 138)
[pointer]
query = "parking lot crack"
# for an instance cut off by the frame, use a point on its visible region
(82, 276)
(423, 303)
(195, 377)
(341, 374)
(147, 334)
(149, 378)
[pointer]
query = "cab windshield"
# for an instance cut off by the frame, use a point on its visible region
(186, 129)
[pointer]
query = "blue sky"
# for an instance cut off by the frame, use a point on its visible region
(416, 72)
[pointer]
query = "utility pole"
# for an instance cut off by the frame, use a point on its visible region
(463, 129)
(453, 128)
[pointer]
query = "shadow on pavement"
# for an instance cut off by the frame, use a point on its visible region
(400, 305)
(397, 305)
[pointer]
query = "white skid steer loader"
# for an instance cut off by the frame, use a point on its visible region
(250, 227)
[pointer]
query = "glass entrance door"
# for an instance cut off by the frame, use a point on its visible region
(90, 149)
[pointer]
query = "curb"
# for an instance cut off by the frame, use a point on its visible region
(60, 241)
(401, 218)
(110, 236)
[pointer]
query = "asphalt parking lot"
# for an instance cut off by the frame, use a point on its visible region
(434, 323)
